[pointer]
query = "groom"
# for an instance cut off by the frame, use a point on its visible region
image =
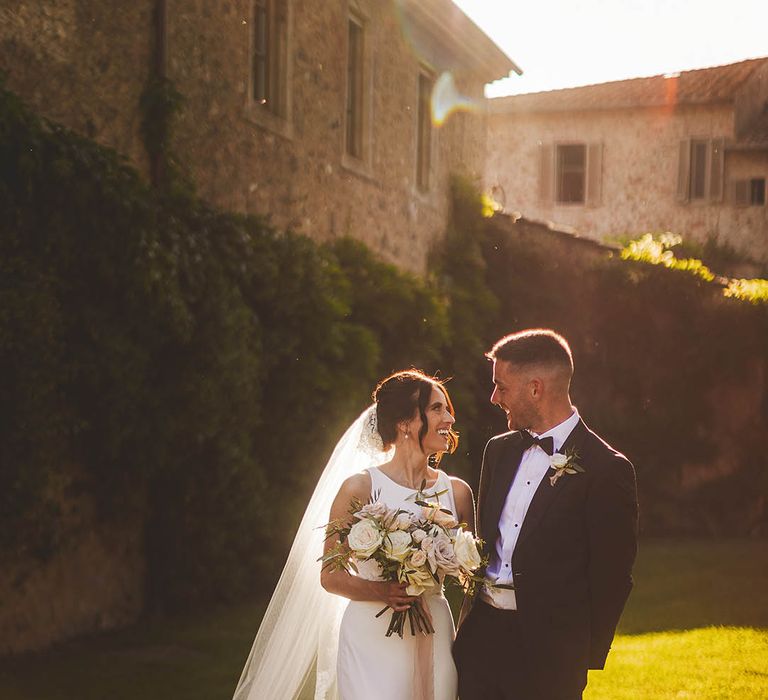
(557, 508)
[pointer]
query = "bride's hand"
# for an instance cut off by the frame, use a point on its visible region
(394, 595)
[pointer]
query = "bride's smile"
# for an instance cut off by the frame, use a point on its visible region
(439, 421)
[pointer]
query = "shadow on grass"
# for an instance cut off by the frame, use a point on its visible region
(197, 657)
(694, 583)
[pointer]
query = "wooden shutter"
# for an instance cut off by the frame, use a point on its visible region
(716, 163)
(594, 174)
(546, 180)
(741, 192)
(684, 171)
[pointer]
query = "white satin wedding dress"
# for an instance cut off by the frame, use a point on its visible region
(376, 667)
(307, 634)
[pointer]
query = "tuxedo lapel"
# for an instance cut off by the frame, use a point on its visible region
(507, 463)
(575, 440)
(546, 494)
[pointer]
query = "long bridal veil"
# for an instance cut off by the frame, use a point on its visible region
(300, 629)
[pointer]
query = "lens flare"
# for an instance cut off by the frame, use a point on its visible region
(446, 99)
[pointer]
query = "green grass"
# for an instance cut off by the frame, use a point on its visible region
(196, 658)
(712, 663)
(696, 626)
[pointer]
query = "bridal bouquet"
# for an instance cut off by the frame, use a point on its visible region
(424, 551)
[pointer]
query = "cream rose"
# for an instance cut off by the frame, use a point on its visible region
(465, 550)
(390, 520)
(419, 582)
(403, 521)
(418, 535)
(558, 461)
(397, 545)
(418, 558)
(375, 510)
(364, 538)
(435, 515)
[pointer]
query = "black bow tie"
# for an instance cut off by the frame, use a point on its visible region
(547, 444)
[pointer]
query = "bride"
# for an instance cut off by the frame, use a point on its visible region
(321, 629)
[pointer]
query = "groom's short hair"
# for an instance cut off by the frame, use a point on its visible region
(533, 346)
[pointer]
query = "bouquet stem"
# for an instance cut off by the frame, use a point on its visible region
(417, 621)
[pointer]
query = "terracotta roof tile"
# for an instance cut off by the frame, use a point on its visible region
(702, 86)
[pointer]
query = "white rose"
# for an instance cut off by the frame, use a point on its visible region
(465, 550)
(418, 536)
(558, 461)
(397, 544)
(418, 558)
(364, 538)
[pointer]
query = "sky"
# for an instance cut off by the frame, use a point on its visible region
(566, 43)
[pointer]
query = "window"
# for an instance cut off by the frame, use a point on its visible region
(749, 193)
(269, 55)
(355, 58)
(424, 132)
(699, 157)
(571, 164)
(700, 170)
(570, 174)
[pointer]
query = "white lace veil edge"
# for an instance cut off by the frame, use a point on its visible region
(300, 628)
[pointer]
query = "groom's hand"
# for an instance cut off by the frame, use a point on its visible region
(394, 595)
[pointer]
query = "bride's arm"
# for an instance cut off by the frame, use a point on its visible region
(465, 503)
(345, 584)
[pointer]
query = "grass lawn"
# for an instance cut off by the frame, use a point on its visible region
(696, 626)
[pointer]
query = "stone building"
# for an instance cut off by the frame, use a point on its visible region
(317, 115)
(686, 153)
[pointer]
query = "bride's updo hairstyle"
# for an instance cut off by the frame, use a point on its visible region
(400, 397)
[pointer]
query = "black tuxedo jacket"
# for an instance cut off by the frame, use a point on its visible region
(573, 559)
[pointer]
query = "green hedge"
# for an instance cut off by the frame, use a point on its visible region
(661, 357)
(198, 365)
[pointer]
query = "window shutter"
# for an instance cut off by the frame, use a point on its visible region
(594, 174)
(546, 190)
(716, 163)
(741, 193)
(684, 171)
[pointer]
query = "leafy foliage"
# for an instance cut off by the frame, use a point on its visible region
(194, 365)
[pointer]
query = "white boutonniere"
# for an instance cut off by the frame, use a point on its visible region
(564, 464)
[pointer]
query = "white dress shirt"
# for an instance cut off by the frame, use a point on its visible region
(534, 464)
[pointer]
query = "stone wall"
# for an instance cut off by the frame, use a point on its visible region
(639, 173)
(93, 581)
(82, 63)
(297, 172)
